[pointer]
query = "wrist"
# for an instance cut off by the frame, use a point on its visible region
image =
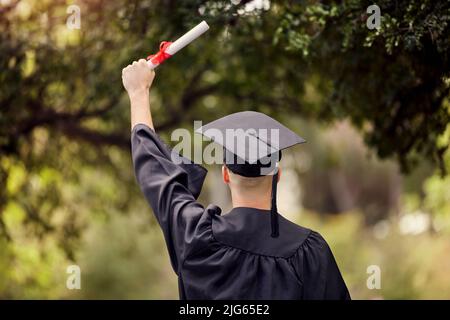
(138, 94)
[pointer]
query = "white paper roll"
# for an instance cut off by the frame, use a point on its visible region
(187, 38)
(184, 40)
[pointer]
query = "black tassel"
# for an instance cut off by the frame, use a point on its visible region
(273, 208)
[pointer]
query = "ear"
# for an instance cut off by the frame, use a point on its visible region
(279, 174)
(225, 175)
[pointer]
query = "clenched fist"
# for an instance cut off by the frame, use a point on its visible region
(137, 77)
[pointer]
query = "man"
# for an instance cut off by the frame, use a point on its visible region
(231, 256)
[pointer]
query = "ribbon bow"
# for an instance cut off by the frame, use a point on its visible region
(162, 55)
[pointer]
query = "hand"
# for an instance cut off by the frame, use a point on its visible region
(137, 77)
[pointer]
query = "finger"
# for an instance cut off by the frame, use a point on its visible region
(144, 64)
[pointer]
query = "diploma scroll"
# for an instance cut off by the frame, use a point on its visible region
(168, 49)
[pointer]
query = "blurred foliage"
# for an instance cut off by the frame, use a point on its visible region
(67, 191)
(393, 82)
(412, 266)
(339, 174)
(131, 264)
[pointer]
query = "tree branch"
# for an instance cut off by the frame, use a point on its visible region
(76, 131)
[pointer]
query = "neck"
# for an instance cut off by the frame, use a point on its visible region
(261, 201)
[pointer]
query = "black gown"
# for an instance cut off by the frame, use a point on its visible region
(229, 256)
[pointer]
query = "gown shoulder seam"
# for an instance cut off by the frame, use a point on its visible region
(301, 244)
(255, 253)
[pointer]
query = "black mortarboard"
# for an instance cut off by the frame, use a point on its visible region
(252, 143)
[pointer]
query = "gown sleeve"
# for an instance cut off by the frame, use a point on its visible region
(319, 272)
(170, 187)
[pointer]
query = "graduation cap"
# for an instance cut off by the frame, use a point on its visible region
(252, 143)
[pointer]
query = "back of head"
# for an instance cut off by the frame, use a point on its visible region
(248, 191)
(250, 184)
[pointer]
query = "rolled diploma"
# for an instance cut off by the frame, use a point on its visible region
(184, 40)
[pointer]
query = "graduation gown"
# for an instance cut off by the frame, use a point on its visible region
(230, 256)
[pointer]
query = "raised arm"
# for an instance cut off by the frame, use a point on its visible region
(170, 188)
(137, 79)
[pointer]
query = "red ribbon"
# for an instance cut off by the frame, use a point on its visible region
(162, 55)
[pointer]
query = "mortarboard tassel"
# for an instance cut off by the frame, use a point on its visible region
(273, 208)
